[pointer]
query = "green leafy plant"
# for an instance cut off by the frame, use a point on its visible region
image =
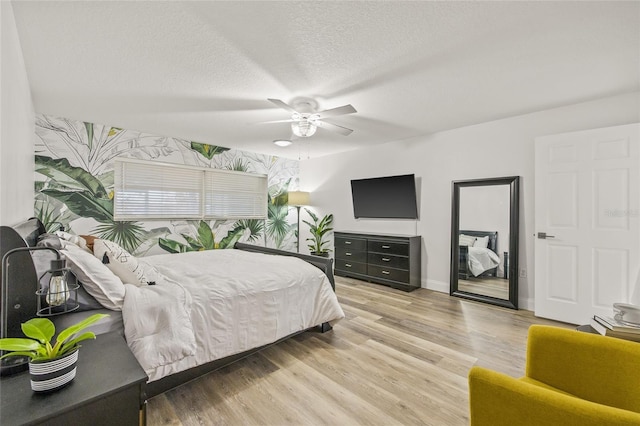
(206, 150)
(86, 196)
(319, 228)
(204, 240)
(39, 346)
(277, 225)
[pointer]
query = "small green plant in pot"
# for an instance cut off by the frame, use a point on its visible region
(46, 356)
(319, 228)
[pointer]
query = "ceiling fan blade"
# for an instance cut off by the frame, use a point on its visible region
(278, 121)
(333, 127)
(281, 104)
(345, 109)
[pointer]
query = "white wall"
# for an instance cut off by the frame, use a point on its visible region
(17, 126)
(492, 149)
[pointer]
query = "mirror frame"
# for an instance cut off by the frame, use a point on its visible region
(514, 223)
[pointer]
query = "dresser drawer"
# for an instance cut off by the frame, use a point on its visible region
(351, 255)
(348, 266)
(354, 244)
(392, 274)
(388, 260)
(376, 246)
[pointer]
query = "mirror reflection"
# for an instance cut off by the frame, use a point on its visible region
(484, 240)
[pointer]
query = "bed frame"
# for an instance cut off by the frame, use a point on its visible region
(21, 303)
(463, 266)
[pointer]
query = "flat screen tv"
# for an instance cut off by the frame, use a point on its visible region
(389, 197)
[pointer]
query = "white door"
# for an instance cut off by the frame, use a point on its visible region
(587, 202)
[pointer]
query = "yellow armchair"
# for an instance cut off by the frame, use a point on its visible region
(571, 378)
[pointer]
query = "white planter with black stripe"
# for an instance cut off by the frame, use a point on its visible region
(53, 374)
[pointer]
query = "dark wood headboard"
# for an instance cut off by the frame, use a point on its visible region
(493, 238)
(21, 302)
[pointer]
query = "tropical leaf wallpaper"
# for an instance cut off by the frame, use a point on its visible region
(74, 187)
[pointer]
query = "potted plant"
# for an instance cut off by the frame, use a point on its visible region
(52, 364)
(319, 228)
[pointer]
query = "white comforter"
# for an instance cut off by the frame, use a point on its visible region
(211, 304)
(481, 259)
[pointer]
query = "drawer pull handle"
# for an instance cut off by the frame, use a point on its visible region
(385, 247)
(347, 242)
(348, 265)
(347, 254)
(385, 259)
(386, 272)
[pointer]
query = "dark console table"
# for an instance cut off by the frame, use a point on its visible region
(393, 260)
(109, 389)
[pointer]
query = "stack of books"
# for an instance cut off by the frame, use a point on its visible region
(609, 326)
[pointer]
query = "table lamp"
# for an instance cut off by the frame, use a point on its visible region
(59, 296)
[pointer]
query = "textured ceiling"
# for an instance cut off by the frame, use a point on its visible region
(203, 70)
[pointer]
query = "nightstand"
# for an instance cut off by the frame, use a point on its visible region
(109, 389)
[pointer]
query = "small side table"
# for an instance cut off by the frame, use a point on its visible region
(109, 389)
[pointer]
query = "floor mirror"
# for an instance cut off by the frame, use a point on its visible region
(484, 240)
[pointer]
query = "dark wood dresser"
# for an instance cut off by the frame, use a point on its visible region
(393, 260)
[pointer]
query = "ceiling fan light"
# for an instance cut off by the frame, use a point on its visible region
(303, 129)
(282, 142)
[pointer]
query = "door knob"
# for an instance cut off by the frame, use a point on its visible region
(544, 236)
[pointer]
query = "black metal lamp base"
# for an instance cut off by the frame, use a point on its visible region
(13, 364)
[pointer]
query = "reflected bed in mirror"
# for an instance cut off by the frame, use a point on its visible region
(481, 269)
(484, 240)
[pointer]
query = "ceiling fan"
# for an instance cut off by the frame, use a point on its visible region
(305, 121)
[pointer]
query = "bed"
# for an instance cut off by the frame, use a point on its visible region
(478, 254)
(193, 312)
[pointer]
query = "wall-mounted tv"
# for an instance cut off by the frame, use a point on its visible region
(389, 197)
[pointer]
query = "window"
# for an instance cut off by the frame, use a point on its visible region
(153, 190)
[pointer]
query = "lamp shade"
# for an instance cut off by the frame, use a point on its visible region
(298, 198)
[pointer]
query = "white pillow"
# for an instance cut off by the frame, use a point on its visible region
(482, 242)
(95, 277)
(120, 262)
(75, 239)
(466, 240)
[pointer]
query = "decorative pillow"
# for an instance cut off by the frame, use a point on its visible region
(49, 240)
(120, 262)
(89, 239)
(466, 240)
(75, 239)
(482, 242)
(96, 278)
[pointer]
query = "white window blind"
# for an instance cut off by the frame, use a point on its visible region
(152, 190)
(235, 195)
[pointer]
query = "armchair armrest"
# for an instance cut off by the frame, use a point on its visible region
(590, 366)
(499, 400)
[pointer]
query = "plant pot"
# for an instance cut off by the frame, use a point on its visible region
(53, 374)
(321, 254)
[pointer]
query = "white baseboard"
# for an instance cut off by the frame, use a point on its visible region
(526, 304)
(441, 286)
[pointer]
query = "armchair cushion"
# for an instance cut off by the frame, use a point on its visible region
(572, 378)
(590, 366)
(500, 400)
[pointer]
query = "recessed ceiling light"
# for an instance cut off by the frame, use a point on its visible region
(282, 142)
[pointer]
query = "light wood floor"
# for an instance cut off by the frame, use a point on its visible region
(488, 286)
(397, 358)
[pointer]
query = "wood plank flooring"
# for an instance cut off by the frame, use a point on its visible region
(396, 359)
(488, 286)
